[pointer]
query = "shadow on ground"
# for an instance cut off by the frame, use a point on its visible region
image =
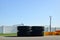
(24, 36)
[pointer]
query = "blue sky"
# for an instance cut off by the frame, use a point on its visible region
(29, 12)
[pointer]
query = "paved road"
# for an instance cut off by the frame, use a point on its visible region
(31, 38)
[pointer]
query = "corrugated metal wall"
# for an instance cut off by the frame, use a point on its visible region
(9, 29)
(1, 29)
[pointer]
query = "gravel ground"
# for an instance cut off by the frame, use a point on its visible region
(31, 38)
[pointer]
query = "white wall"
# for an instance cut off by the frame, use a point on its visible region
(9, 29)
(1, 29)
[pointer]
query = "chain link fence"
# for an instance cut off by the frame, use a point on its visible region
(53, 29)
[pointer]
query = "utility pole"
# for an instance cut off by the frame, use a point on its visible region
(50, 23)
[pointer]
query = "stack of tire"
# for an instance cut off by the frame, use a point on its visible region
(30, 31)
(37, 31)
(23, 31)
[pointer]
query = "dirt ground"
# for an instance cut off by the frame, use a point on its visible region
(31, 38)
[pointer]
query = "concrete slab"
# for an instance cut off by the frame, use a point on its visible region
(31, 38)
